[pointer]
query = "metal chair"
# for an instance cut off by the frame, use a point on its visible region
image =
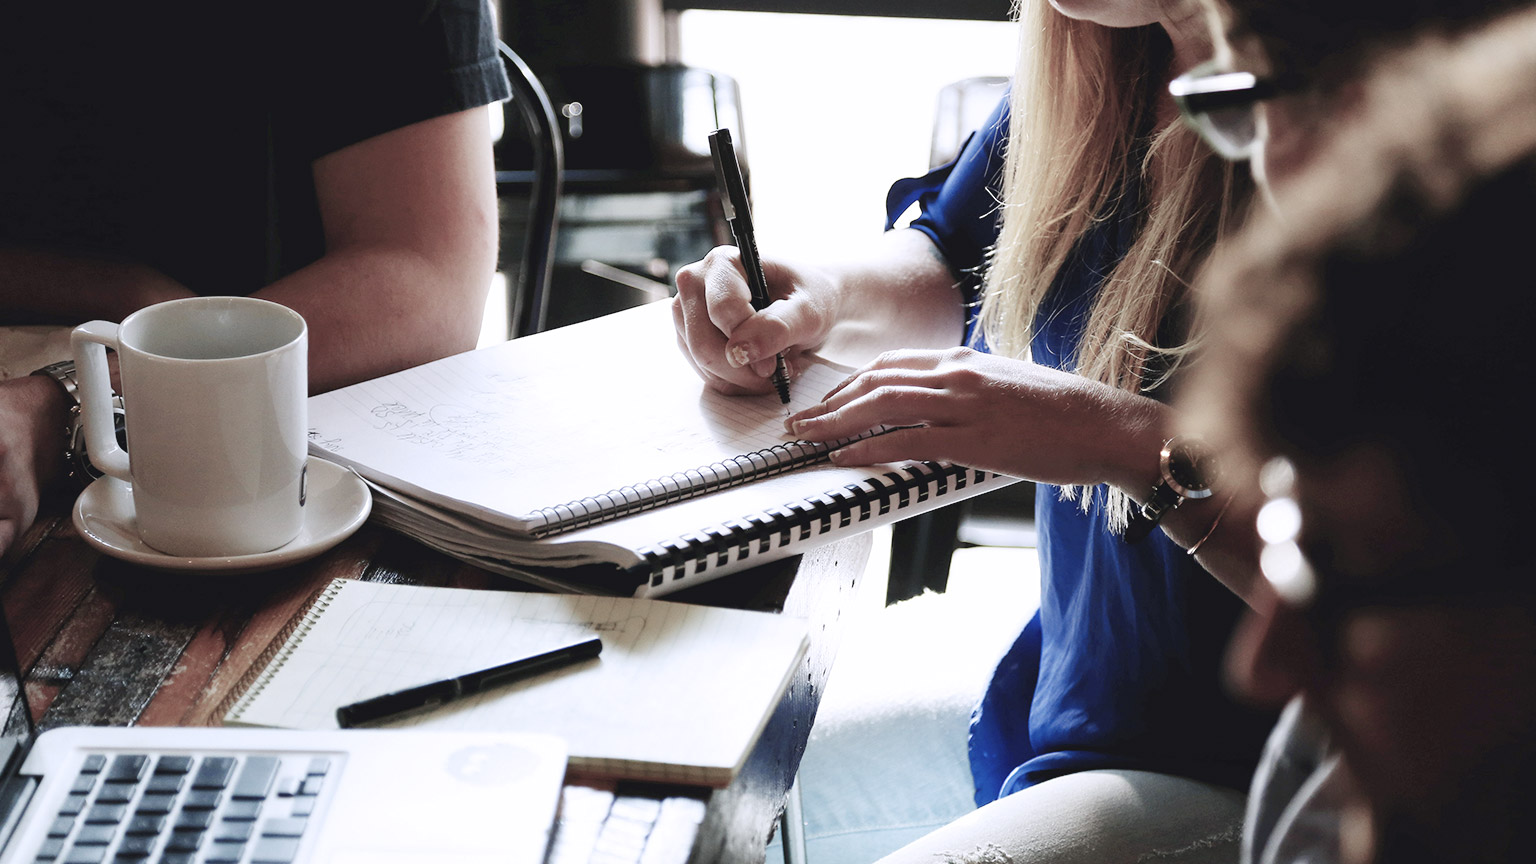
(528, 303)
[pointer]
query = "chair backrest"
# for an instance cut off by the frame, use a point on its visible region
(962, 106)
(528, 303)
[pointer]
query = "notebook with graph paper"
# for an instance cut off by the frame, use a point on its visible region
(680, 693)
(596, 444)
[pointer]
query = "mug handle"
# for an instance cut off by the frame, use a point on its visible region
(89, 342)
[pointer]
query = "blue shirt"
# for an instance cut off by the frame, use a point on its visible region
(1121, 668)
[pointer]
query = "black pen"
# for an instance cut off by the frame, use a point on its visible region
(426, 696)
(738, 214)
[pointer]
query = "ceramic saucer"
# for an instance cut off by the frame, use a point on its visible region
(338, 504)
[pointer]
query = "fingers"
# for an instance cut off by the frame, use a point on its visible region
(912, 360)
(715, 382)
(887, 404)
(898, 445)
(712, 299)
(898, 388)
(728, 341)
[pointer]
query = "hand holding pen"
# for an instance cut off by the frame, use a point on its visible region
(738, 214)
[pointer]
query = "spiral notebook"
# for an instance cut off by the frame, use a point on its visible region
(680, 692)
(593, 457)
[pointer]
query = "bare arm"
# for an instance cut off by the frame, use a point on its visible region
(410, 228)
(410, 234)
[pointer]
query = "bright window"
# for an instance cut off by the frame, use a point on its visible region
(835, 108)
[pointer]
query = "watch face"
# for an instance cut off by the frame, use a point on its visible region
(1189, 470)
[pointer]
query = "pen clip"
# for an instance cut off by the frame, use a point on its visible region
(733, 188)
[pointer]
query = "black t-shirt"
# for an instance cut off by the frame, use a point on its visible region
(181, 134)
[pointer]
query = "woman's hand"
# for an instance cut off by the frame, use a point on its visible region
(993, 413)
(732, 346)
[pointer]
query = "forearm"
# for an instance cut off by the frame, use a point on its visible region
(372, 311)
(39, 286)
(410, 231)
(896, 292)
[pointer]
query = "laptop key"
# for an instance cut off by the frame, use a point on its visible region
(303, 805)
(156, 804)
(100, 814)
(283, 827)
(214, 773)
(224, 852)
(256, 777)
(275, 850)
(146, 823)
(86, 855)
(93, 764)
(96, 835)
(136, 845)
(312, 784)
(51, 849)
(72, 805)
(61, 826)
(173, 765)
(127, 768)
(84, 783)
(201, 799)
(165, 783)
(184, 841)
(242, 811)
(116, 793)
(178, 858)
(193, 820)
(234, 831)
(319, 765)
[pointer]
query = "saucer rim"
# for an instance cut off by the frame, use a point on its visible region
(283, 556)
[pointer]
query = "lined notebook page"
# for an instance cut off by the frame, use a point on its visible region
(548, 419)
(679, 693)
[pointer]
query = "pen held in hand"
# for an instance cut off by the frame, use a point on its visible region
(738, 214)
(412, 700)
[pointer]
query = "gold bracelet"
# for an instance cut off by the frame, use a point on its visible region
(1212, 530)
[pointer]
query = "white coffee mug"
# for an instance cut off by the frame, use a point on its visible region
(214, 391)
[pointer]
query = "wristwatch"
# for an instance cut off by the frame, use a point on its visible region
(77, 463)
(1187, 472)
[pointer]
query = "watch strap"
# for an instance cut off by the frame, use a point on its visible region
(77, 463)
(1145, 518)
(63, 373)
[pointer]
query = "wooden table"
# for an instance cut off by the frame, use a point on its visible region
(103, 642)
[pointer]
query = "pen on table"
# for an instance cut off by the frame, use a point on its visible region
(738, 214)
(413, 699)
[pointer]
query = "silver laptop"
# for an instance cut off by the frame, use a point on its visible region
(144, 795)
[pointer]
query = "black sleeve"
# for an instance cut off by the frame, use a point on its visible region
(364, 67)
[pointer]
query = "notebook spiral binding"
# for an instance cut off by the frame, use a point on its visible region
(735, 471)
(754, 534)
(276, 653)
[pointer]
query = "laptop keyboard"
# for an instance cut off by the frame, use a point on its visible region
(134, 808)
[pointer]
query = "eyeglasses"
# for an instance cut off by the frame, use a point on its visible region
(1308, 580)
(1281, 560)
(1219, 105)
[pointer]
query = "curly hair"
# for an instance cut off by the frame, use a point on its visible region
(1392, 301)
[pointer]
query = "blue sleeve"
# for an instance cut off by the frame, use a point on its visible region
(958, 201)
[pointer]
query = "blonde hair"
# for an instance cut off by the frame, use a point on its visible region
(1082, 124)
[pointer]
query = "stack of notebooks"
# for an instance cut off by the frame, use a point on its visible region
(593, 458)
